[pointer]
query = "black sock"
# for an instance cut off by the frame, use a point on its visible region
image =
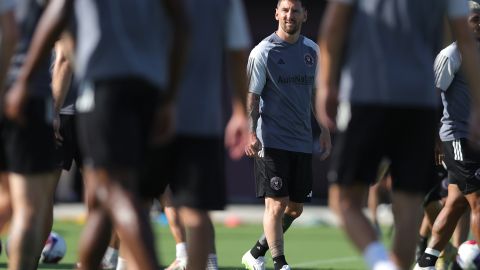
(427, 260)
(421, 246)
(278, 262)
(258, 250)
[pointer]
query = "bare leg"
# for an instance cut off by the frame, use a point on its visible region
(474, 202)
(30, 208)
(94, 239)
(5, 200)
(115, 194)
(272, 224)
(462, 230)
(407, 212)
(447, 219)
(347, 203)
(200, 235)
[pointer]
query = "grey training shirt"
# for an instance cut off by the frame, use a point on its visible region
(283, 74)
(455, 94)
(391, 47)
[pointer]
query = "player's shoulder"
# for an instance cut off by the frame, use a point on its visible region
(451, 52)
(310, 43)
(262, 48)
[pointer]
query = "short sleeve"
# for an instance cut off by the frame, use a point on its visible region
(238, 33)
(457, 8)
(445, 67)
(257, 70)
(6, 5)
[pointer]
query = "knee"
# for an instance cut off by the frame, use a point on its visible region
(461, 205)
(275, 207)
(294, 210)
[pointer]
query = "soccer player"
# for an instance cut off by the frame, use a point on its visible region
(461, 159)
(193, 163)
(64, 89)
(123, 70)
(384, 82)
(281, 72)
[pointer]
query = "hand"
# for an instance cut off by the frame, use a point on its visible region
(438, 152)
(15, 100)
(236, 134)
(326, 104)
(325, 144)
(474, 135)
(163, 124)
(56, 130)
(253, 145)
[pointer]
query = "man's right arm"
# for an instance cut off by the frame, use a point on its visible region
(253, 103)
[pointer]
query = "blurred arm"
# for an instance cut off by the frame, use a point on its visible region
(331, 42)
(9, 38)
(61, 75)
(178, 54)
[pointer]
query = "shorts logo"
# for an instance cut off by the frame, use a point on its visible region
(477, 174)
(309, 61)
(276, 183)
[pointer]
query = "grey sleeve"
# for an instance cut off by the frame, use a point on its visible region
(256, 71)
(6, 5)
(445, 68)
(457, 8)
(238, 33)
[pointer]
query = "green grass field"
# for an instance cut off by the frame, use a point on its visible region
(312, 247)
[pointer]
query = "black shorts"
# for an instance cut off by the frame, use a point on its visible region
(463, 165)
(281, 173)
(194, 167)
(114, 121)
(30, 147)
(405, 136)
(68, 150)
(440, 190)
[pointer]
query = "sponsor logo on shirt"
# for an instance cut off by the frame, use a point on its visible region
(309, 60)
(296, 79)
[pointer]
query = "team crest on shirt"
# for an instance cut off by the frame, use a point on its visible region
(477, 174)
(309, 60)
(276, 183)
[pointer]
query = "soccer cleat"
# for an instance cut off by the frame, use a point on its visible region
(178, 264)
(418, 267)
(251, 263)
(446, 257)
(106, 265)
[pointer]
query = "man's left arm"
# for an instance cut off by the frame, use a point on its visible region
(49, 27)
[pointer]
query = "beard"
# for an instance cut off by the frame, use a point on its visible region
(290, 29)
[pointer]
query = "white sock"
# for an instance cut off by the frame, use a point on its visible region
(212, 263)
(111, 255)
(181, 250)
(376, 255)
(122, 264)
(432, 251)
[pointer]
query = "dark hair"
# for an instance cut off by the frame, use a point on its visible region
(302, 2)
